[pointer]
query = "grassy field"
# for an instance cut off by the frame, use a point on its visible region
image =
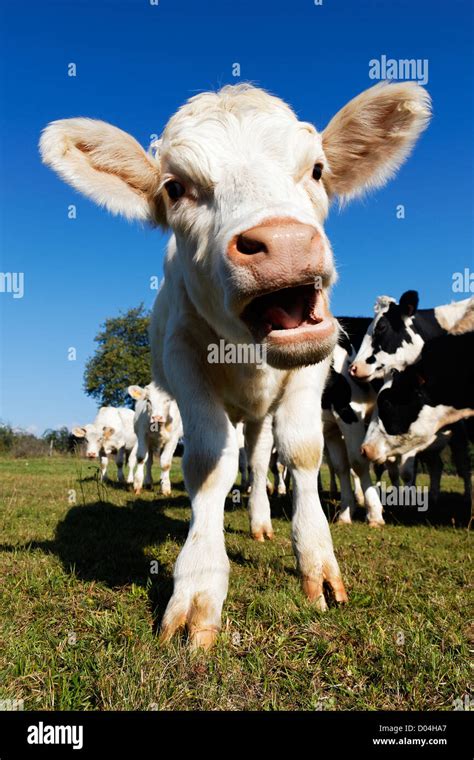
(81, 603)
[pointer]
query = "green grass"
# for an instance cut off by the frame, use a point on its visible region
(79, 605)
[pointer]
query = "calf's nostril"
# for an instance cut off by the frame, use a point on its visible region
(250, 246)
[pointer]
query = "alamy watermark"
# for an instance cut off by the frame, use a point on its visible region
(11, 705)
(463, 282)
(237, 353)
(13, 282)
(465, 703)
(405, 69)
(404, 496)
(42, 733)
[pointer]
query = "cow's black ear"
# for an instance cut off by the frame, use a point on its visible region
(408, 303)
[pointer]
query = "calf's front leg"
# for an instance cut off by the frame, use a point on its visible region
(132, 463)
(299, 440)
(119, 461)
(142, 458)
(104, 463)
(259, 442)
(166, 459)
(354, 434)
(148, 482)
(210, 464)
(337, 454)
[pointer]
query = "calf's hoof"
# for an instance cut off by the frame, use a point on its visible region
(199, 618)
(264, 531)
(314, 588)
(377, 523)
(344, 519)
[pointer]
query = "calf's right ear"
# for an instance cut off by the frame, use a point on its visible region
(79, 432)
(105, 164)
(136, 392)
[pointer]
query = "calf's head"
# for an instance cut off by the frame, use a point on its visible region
(390, 342)
(100, 441)
(402, 419)
(155, 401)
(245, 186)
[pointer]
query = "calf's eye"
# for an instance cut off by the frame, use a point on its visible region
(317, 172)
(174, 189)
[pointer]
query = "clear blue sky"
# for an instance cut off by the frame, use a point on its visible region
(136, 63)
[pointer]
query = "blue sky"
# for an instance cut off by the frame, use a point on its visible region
(136, 63)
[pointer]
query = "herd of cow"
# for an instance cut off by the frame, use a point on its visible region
(397, 427)
(133, 437)
(245, 188)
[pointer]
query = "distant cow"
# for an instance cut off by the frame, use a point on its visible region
(111, 434)
(398, 332)
(158, 427)
(347, 407)
(245, 187)
(416, 403)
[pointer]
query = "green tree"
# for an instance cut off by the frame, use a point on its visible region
(122, 358)
(58, 440)
(7, 437)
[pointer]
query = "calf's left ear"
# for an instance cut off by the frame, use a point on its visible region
(368, 139)
(408, 303)
(108, 432)
(136, 392)
(105, 164)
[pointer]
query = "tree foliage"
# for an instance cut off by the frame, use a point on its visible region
(58, 440)
(122, 358)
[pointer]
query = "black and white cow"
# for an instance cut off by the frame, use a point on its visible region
(347, 406)
(398, 332)
(347, 409)
(413, 405)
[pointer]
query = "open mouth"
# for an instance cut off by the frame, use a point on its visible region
(289, 314)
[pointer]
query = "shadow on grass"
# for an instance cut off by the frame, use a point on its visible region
(451, 509)
(106, 543)
(103, 542)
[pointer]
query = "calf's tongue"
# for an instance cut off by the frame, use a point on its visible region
(287, 318)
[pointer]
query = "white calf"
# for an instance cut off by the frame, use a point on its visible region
(158, 427)
(111, 434)
(245, 187)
